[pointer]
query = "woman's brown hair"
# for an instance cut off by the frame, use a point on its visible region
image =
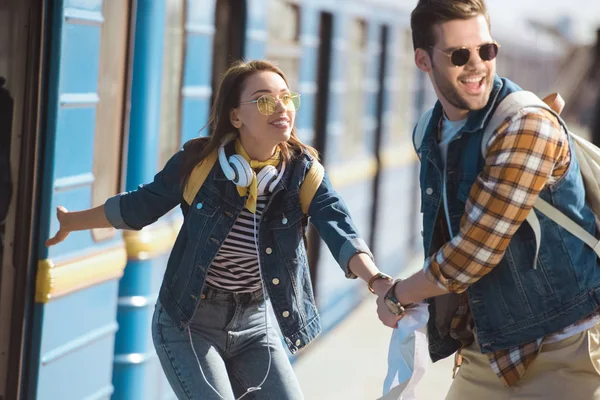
(228, 98)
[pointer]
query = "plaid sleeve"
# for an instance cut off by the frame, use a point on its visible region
(528, 151)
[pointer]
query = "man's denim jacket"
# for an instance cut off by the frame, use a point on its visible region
(208, 221)
(514, 303)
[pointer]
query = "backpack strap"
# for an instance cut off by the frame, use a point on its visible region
(511, 105)
(308, 188)
(419, 132)
(198, 176)
(310, 184)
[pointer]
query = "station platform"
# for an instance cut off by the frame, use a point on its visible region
(350, 361)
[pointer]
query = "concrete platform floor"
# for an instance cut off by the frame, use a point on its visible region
(350, 362)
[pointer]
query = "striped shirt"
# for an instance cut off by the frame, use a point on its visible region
(235, 267)
(527, 152)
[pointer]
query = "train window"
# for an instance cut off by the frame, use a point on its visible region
(283, 43)
(108, 141)
(170, 107)
(354, 100)
(406, 73)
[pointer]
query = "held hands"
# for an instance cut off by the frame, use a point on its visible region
(381, 287)
(63, 231)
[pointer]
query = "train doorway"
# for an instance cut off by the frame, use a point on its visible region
(321, 111)
(21, 29)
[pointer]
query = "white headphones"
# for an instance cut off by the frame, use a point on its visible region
(237, 170)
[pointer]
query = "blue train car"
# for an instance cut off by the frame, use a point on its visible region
(96, 95)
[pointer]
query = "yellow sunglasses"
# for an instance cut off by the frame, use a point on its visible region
(267, 103)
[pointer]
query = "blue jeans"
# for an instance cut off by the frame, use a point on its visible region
(229, 336)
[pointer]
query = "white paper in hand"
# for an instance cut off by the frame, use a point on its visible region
(408, 355)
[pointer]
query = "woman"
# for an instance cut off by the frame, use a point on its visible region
(239, 243)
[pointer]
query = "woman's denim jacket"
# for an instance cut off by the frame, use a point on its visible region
(207, 223)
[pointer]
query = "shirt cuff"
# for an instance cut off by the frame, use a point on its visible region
(349, 249)
(434, 274)
(112, 211)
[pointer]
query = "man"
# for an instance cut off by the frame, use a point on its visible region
(525, 326)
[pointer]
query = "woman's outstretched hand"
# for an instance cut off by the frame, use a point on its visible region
(63, 231)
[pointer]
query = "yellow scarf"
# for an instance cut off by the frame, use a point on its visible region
(253, 188)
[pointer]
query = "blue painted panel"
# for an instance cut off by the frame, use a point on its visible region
(396, 217)
(331, 282)
(75, 128)
(308, 64)
(254, 49)
(146, 93)
(256, 10)
(80, 58)
(79, 243)
(310, 20)
(200, 12)
(89, 5)
(131, 320)
(73, 316)
(194, 116)
(143, 277)
(131, 380)
(135, 382)
(73, 336)
(80, 375)
(198, 61)
(305, 116)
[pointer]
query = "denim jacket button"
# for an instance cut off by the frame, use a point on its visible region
(199, 206)
(275, 281)
(429, 191)
(285, 314)
(298, 342)
(268, 250)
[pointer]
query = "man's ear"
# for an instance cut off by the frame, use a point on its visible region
(423, 60)
(234, 118)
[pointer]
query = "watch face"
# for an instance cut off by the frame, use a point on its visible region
(393, 307)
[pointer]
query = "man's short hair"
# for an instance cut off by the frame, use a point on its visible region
(429, 13)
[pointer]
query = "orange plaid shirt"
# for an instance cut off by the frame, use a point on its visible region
(527, 152)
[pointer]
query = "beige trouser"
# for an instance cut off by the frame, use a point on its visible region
(565, 370)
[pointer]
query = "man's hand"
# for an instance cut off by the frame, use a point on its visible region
(381, 286)
(385, 315)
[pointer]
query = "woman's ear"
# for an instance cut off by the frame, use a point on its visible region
(234, 118)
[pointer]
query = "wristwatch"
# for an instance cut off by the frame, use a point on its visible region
(379, 275)
(392, 302)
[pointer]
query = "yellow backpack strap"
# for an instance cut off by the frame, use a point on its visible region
(311, 183)
(198, 176)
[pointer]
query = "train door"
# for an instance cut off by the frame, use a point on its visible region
(379, 128)
(76, 283)
(228, 41)
(321, 108)
(20, 63)
(398, 214)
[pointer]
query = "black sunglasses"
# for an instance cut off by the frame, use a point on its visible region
(460, 57)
